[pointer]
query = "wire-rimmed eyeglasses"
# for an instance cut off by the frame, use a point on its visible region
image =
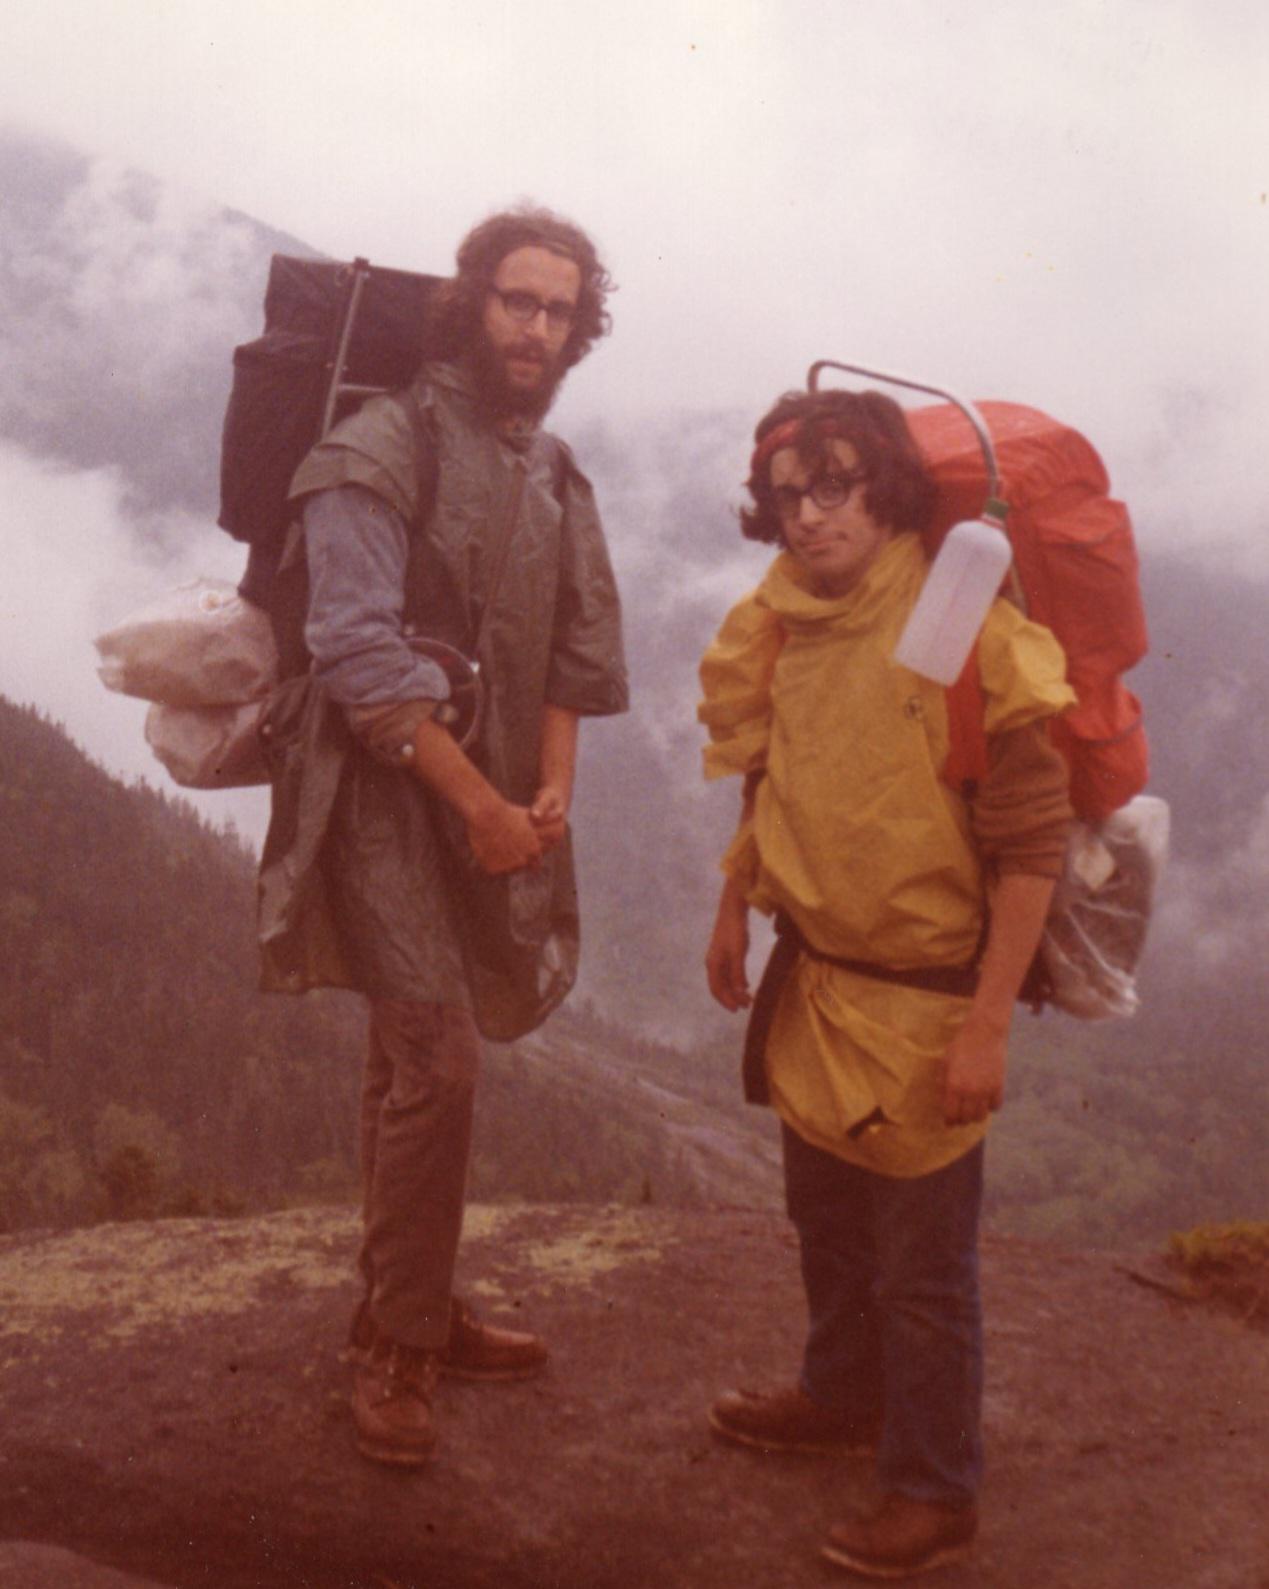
(826, 491)
(527, 306)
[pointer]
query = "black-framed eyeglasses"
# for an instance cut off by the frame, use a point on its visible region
(527, 306)
(826, 491)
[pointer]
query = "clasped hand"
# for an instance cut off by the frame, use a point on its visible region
(509, 838)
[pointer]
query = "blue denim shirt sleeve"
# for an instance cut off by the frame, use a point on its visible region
(358, 549)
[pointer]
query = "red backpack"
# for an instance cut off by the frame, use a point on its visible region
(1077, 564)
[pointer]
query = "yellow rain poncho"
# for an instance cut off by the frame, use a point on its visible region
(857, 837)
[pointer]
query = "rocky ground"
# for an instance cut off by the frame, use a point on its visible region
(176, 1415)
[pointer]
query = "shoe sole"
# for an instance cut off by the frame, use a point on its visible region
(492, 1376)
(393, 1456)
(889, 1570)
(823, 1448)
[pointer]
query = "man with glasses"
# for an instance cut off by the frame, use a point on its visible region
(907, 912)
(431, 869)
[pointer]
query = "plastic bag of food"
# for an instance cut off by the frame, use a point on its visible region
(1096, 928)
(198, 645)
(209, 747)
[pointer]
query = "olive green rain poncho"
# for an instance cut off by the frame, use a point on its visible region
(366, 880)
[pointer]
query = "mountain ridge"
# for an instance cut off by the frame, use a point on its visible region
(123, 302)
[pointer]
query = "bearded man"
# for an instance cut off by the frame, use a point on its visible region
(433, 877)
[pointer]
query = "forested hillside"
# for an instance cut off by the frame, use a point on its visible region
(138, 1069)
(141, 1073)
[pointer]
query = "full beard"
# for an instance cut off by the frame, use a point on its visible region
(499, 397)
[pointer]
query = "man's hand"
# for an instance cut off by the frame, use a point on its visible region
(728, 950)
(557, 762)
(974, 1065)
(549, 815)
(504, 837)
(974, 1072)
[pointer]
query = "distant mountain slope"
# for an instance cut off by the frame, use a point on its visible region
(121, 303)
(139, 1070)
(121, 300)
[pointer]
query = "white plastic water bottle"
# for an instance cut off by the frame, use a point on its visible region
(960, 587)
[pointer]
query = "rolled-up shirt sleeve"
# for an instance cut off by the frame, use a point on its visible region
(357, 549)
(1021, 817)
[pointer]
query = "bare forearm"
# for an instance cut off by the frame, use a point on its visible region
(450, 772)
(975, 1061)
(557, 759)
(729, 943)
(502, 836)
(1019, 905)
(729, 948)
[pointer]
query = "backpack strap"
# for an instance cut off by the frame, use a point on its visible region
(966, 764)
(427, 463)
(964, 770)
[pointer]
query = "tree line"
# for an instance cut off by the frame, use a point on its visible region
(141, 1074)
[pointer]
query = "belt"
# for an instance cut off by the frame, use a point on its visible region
(961, 981)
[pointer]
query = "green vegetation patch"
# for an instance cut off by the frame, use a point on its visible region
(1229, 1265)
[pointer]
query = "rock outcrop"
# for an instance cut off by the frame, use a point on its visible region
(176, 1413)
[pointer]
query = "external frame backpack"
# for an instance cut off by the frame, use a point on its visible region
(1077, 573)
(334, 334)
(1077, 570)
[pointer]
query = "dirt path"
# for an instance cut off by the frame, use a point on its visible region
(175, 1408)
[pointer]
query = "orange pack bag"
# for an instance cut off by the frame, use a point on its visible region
(1077, 565)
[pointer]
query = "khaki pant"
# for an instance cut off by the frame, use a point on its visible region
(416, 1116)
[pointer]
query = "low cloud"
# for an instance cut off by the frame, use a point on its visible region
(122, 299)
(76, 562)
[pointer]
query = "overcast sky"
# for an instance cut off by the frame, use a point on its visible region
(1064, 203)
(1061, 204)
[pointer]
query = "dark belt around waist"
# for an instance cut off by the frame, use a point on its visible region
(960, 981)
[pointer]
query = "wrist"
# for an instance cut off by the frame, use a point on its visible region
(480, 804)
(732, 901)
(555, 787)
(991, 1018)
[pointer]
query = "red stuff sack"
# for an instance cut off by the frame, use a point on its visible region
(1077, 563)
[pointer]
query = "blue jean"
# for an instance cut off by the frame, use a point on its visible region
(890, 1269)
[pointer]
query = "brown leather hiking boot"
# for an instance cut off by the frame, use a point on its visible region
(361, 1334)
(484, 1351)
(392, 1404)
(786, 1420)
(903, 1537)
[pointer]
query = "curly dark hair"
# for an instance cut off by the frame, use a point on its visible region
(898, 492)
(460, 303)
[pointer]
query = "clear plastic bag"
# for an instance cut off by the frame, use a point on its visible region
(198, 645)
(209, 747)
(1097, 923)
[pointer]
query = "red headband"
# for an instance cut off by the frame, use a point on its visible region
(785, 435)
(790, 435)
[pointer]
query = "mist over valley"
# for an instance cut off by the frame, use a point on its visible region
(122, 301)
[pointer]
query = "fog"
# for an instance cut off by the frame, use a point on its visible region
(75, 562)
(1061, 205)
